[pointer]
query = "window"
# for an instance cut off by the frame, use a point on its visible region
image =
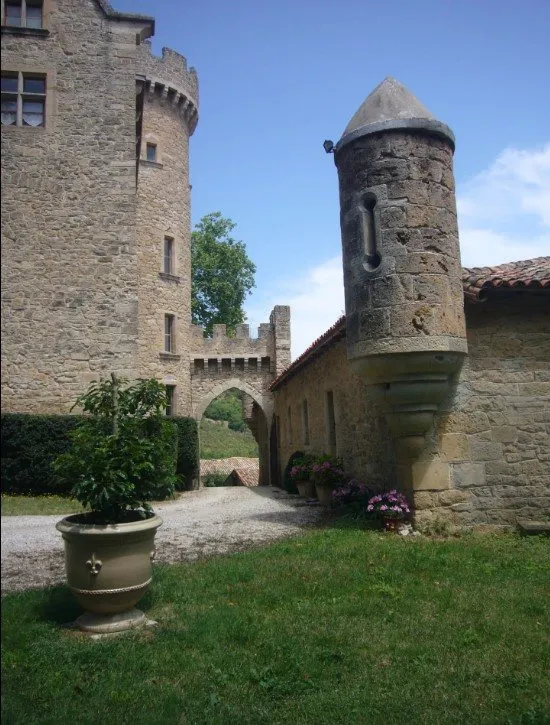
(23, 13)
(23, 99)
(305, 422)
(169, 338)
(330, 421)
(168, 255)
(170, 400)
(151, 151)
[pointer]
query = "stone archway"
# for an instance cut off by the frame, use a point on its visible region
(258, 413)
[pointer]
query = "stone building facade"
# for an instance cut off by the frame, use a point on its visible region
(96, 270)
(437, 380)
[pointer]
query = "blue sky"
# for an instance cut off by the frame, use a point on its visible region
(277, 78)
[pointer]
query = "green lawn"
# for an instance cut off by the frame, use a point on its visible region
(38, 505)
(217, 441)
(338, 626)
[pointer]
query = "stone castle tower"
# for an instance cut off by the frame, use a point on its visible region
(96, 272)
(402, 274)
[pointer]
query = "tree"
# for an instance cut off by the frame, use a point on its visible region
(222, 274)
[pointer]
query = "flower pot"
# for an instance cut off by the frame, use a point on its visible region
(109, 569)
(306, 489)
(324, 493)
(391, 524)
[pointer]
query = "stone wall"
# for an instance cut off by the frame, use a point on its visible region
(69, 257)
(490, 449)
(487, 458)
(361, 435)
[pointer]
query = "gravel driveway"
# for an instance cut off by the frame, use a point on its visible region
(200, 523)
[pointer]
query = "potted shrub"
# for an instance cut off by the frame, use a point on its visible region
(391, 507)
(327, 474)
(301, 474)
(122, 457)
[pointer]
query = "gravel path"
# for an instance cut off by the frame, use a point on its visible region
(199, 524)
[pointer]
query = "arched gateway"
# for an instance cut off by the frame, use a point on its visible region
(221, 363)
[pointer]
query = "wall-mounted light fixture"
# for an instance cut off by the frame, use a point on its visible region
(328, 146)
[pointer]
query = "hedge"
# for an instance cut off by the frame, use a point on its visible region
(30, 444)
(187, 464)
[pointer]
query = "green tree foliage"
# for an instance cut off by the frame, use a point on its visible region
(123, 454)
(228, 406)
(222, 274)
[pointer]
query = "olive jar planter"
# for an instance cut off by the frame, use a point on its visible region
(109, 569)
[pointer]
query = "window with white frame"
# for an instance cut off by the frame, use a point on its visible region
(169, 265)
(169, 333)
(23, 99)
(23, 13)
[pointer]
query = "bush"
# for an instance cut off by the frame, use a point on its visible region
(30, 444)
(187, 464)
(214, 480)
(288, 482)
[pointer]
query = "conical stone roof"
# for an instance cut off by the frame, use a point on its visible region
(392, 106)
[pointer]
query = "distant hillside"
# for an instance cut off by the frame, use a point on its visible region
(219, 441)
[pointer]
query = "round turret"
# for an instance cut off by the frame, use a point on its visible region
(402, 273)
(168, 118)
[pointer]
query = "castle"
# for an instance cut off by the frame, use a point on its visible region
(437, 380)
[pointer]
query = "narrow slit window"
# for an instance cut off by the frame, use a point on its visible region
(305, 422)
(151, 152)
(170, 400)
(331, 421)
(367, 230)
(289, 418)
(169, 338)
(169, 266)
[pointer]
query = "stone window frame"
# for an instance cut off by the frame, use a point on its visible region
(150, 139)
(49, 96)
(24, 29)
(172, 276)
(169, 334)
(305, 422)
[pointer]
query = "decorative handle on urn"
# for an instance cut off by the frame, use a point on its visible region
(94, 565)
(152, 555)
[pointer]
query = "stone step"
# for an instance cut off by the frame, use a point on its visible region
(528, 527)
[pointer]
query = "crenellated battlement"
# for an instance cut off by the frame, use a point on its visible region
(269, 352)
(168, 78)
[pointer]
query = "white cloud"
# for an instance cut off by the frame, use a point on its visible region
(316, 300)
(504, 211)
(504, 216)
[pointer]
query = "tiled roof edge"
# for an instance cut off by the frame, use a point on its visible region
(529, 275)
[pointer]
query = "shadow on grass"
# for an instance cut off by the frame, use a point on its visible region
(58, 605)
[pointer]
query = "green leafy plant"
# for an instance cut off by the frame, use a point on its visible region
(123, 454)
(215, 480)
(328, 471)
(302, 468)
